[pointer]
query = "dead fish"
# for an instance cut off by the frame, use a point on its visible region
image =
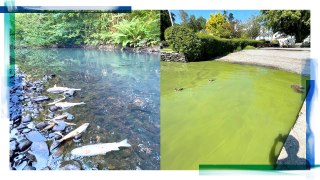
(297, 88)
(57, 90)
(58, 100)
(67, 104)
(39, 98)
(75, 132)
(178, 89)
(48, 127)
(64, 116)
(99, 149)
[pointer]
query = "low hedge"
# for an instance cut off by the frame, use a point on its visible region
(212, 46)
(203, 46)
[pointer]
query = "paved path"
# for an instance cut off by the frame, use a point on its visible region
(294, 60)
(295, 145)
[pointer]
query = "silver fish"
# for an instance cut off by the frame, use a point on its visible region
(56, 101)
(99, 149)
(67, 104)
(57, 89)
(75, 132)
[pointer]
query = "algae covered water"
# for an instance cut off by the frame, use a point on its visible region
(121, 91)
(225, 114)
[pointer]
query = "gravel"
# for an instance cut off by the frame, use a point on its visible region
(294, 60)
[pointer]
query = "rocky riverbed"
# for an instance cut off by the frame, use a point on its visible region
(33, 144)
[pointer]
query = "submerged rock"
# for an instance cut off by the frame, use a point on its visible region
(69, 116)
(60, 126)
(35, 136)
(69, 93)
(71, 165)
(41, 152)
(24, 144)
(29, 168)
(26, 118)
(42, 125)
(54, 108)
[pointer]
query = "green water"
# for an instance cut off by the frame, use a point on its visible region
(233, 120)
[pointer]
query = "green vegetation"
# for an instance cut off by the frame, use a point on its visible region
(200, 46)
(248, 47)
(196, 24)
(165, 22)
(218, 26)
(139, 28)
(184, 40)
(291, 22)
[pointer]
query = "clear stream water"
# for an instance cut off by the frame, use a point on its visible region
(232, 120)
(122, 95)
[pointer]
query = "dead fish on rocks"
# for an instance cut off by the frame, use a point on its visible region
(63, 116)
(57, 89)
(48, 127)
(99, 149)
(56, 101)
(297, 88)
(75, 132)
(65, 105)
(39, 98)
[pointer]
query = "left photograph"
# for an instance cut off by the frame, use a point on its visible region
(84, 91)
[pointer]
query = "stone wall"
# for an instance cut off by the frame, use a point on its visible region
(173, 57)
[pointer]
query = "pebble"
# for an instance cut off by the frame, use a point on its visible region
(24, 144)
(53, 108)
(42, 125)
(29, 168)
(71, 165)
(26, 118)
(35, 136)
(60, 126)
(41, 151)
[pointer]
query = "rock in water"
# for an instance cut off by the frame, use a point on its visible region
(39, 98)
(69, 116)
(71, 165)
(24, 144)
(26, 118)
(60, 126)
(35, 136)
(41, 152)
(53, 108)
(69, 93)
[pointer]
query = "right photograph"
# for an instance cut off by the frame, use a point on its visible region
(233, 88)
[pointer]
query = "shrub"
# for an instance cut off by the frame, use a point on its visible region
(249, 47)
(184, 40)
(213, 46)
(203, 45)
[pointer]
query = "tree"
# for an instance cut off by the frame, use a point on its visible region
(252, 27)
(218, 26)
(230, 18)
(165, 21)
(184, 17)
(290, 22)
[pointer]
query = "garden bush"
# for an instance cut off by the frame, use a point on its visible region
(202, 46)
(183, 40)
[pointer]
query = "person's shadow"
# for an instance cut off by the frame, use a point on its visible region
(292, 162)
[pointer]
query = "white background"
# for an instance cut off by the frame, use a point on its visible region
(312, 5)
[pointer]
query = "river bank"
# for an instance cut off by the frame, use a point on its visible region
(110, 47)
